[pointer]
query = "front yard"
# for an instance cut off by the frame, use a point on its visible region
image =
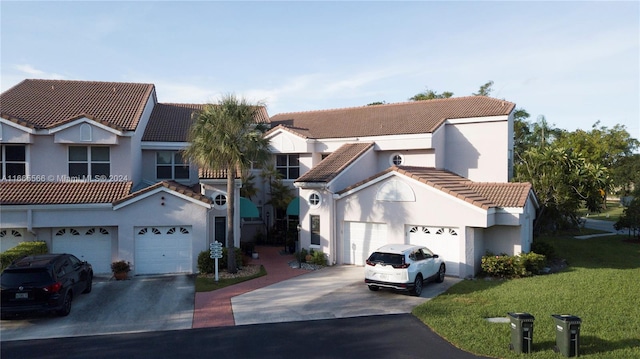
(601, 286)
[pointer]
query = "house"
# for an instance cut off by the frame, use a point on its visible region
(434, 173)
(95, 169)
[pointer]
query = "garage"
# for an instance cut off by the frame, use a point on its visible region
(10, 238)
(443, 241)
(91, 244)
(361, 239)
(160, 250)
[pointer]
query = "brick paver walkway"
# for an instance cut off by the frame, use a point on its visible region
(213, 309)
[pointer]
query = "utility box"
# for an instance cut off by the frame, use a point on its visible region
(567, 334)
(521, 332)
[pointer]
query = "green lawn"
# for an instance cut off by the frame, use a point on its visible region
(601, 286)
(611, 213)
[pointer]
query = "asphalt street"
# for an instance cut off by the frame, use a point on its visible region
(399, 336)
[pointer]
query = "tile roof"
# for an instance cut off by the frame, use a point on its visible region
(31, 193)
(335, 163)
(174, 186)
(392, 119)
(170, 122)
(480, 194)
(42, 104)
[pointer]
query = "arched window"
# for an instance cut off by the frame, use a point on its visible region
(86, 132)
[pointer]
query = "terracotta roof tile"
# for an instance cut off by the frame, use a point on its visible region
(335, 163)
(23, 193)
(481, 194)
(174, 186)
(392, 119)
(50, 103)
(170, 122)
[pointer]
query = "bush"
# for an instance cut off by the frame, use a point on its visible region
(206, 263)
(21, 250)
(301, 256)
(504, 266)
(543, 248)
(318, 258)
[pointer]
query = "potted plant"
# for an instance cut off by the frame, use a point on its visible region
(120, 269)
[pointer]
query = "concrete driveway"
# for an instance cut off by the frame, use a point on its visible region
(137, 305)
(332, 292)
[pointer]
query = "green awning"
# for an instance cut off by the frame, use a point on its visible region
(248, 209)
(293, 209)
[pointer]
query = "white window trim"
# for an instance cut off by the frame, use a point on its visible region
(287, 167)
(316, 193)
(393, 156)
(3, 158)
(88, 161)
(216, 205)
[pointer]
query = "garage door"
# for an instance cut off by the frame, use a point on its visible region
(91, 244)
(361, 239)
(10, 238)
(444, 242)
(163, 250)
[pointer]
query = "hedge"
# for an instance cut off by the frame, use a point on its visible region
(21, 250)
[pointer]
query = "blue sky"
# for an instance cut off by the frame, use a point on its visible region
(573, 62)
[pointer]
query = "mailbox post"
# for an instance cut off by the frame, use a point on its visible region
(215, 251)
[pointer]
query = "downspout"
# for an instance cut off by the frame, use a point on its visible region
(30, 224)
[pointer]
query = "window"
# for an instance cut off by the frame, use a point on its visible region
(171, 165)
(315, 199)
(396, 159)
(288, 166)
(89, 162)
(220, 200)
(315, 230)
(14, 161)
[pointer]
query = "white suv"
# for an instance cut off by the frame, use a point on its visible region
(403, 267)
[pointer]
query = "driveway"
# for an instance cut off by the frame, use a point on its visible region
(332, 292)
(136, 305)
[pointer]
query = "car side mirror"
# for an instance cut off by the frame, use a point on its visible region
(436, 256)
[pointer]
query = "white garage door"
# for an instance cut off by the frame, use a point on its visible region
(444, 242)
(361, 239)
(10, 238)
(163, 250)
(91, 244)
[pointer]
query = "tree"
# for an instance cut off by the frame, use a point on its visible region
(227, 137)
(485, 90)
(430, 95)
(630, 218)
(377, 103)
(563, 181)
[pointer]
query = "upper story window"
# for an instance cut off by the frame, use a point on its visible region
(14, 161)
(314, 199)
(220, 200)
(396, 159)
(288, 166)
(171, 165)
(89, 161)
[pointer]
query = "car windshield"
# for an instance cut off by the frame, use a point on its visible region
(11, 278)
(386, 258)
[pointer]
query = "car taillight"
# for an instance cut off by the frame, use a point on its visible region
(54, 288)
(401, 266)
(370, 263)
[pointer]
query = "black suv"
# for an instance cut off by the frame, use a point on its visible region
(44, 283)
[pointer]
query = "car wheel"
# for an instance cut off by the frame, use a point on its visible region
(373, 288)
(89, 285)
(417, 286)
(441, 273)
(66, 305)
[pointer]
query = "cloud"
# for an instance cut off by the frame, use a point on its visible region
(29, 70)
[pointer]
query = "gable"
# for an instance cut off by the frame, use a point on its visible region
(284, 141)
(86, 131)
(11, 132)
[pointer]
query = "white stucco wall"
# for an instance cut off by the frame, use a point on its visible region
(12, 133)
(478, 150)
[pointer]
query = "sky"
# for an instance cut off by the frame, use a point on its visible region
(575, 63)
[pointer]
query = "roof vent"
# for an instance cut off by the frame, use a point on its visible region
(53, 87)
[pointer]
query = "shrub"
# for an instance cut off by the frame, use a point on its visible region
(121, 267)
(318, 258)
(206, 263)
(543, 248)
(301, 256)
(504, 266)
(21, 250)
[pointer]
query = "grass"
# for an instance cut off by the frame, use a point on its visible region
(601, 286)
(611, 213)
(204, 284)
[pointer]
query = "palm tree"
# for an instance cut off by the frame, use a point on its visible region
(228, 136)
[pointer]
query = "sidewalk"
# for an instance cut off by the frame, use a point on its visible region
(213, 309)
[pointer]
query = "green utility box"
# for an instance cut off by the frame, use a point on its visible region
(567, 334)
(521, 332)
